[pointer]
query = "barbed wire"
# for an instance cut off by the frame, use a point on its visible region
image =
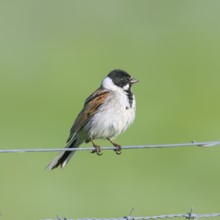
(189, 215)
(192, 144)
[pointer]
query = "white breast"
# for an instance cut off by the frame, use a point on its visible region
(113, 117)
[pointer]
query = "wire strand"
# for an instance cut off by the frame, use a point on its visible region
(189, 215)
(192, 144)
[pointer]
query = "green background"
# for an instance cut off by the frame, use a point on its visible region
(53, 54)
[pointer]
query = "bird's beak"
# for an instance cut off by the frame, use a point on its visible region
(133, 80)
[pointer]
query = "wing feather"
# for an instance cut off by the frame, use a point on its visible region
(91, 105)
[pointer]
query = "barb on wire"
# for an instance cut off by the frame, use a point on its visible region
(189, 215)
(192, 144)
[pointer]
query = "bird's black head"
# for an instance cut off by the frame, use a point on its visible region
(121, 78)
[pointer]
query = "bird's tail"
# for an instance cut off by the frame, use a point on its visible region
(63, 158)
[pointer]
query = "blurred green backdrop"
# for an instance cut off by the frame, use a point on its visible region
(55, 53)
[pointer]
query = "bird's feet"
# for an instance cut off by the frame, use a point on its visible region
(97, 149)
(117, 147)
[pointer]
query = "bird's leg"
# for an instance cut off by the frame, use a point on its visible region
(97, 148)
(118, 147)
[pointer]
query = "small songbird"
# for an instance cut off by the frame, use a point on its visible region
(107, 112)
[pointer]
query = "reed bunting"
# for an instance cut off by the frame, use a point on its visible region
(107, 112)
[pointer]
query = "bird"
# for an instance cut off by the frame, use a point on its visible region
(107, 113)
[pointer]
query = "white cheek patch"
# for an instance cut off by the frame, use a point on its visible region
(108, 84)
(126, 87)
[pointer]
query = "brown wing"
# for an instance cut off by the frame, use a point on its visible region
(92, 103)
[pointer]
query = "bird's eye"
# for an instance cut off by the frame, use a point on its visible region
(125, 79)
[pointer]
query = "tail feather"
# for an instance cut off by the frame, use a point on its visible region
(63, 158)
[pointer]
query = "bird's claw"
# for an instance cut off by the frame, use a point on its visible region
(117, 149)
(97, 150)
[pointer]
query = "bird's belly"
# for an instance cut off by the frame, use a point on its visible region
(110, 123)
